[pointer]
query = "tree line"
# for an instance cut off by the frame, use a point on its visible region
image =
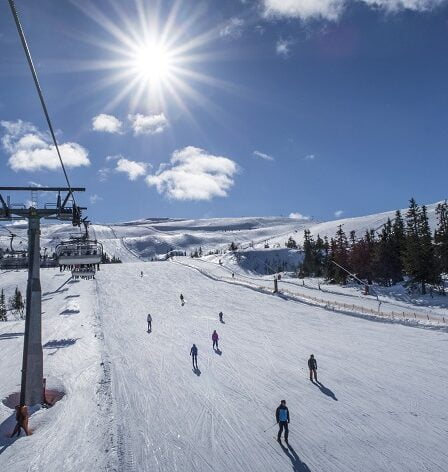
(404, 248)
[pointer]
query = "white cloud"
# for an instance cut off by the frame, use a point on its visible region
(310, 157)
(303, 9)
(134, 169)
(30, 149)
(113, 158)
(194, 174)
(95, 198)
(264, 156)
(338, 213)
(396, 5)
(283, 47)
(107, 124)
(148, 124)
(332, 9)
(103, 174)
(232, 29)
(299, 216)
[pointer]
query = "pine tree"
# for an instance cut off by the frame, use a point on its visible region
(419, 260)
(291, 243)
(307, 267)
(3, 312)
(441, 236)
(16, 303)
(340, 256)
(387, 266)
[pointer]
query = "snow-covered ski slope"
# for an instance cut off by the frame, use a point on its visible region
(133, 402)
(152, 237)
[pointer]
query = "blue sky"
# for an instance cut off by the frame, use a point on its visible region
(237, 108)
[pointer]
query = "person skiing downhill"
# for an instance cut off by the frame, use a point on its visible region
(220, 316)
(312, 365)
(215, 339)
(182, 302)
(282, 418)
(149, 320)
(194, 356)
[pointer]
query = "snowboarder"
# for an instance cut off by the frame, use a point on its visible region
(22, 420)
(312, 365)
(182, 302)
(215, 339)
(282, 418)
(194, 356)
(220, 316)
(149, 320)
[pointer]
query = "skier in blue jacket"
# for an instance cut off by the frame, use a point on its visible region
(282, 418)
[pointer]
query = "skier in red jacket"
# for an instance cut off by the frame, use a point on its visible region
(215, 339)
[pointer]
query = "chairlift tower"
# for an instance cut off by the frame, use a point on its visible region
(32, 390)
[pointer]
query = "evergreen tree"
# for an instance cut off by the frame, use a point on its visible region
(307, 267)
(291, 243)
(362, 256)
(418, 257)
(3, 312)
(16, 303)
(387, 266)
(441, 236)
(339, 254)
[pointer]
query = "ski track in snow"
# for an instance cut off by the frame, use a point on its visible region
(134, 403)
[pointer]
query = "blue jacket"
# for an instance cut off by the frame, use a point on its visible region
(194, 351)
(282, 414)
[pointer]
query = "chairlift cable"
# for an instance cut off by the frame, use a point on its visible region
(39, 91)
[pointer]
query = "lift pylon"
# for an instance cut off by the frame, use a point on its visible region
(32, 390)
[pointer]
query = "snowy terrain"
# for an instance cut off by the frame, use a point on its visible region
(133, 403)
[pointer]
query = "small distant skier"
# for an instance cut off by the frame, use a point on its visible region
(215, 339)
(233, 275)
(194, 356)
(182, 301)
(141, 274)
(149, 320)
(312, 365)
(282, 418)
(220, 316)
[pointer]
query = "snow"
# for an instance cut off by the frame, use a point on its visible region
(133, 403)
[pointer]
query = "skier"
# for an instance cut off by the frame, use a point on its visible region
(141, 273)
(220, 316)
(282, 418)
(22, 421)
(182, 302)
(215, 339)
(194, 356)
(312, 365)
(149, 320)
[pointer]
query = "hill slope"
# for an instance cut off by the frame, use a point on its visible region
(133, 402)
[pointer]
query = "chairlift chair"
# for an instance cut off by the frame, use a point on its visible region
(76, 252)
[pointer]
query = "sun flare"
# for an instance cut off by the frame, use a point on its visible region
(154, 63)
(153, 56)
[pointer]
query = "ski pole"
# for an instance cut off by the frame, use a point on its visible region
(269, 427)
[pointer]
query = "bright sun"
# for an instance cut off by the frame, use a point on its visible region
(153, 56)
(153, 62)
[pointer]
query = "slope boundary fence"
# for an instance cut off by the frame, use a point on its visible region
(406, 317)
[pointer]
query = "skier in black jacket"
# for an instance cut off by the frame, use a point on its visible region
(312, 365)
(282, 418)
